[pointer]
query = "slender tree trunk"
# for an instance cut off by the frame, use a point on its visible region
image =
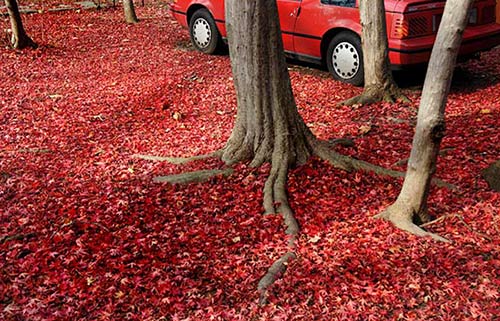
(379, 84)
(128, 7)
(411, 203)
(20, 39)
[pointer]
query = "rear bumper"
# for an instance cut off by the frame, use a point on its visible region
(416, 52)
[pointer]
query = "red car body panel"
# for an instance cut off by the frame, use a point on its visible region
(307, 26)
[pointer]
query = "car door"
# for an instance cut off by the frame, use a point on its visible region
(317, 17)
(288, 11)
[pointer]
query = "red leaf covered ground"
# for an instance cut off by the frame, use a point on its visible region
(86, 235)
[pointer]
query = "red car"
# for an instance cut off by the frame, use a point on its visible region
(328, 31)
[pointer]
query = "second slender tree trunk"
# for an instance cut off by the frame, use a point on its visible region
(128, 8)
(379, 84)
(20, 39)
(411, 204)
(375, 47)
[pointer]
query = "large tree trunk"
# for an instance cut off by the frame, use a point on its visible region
(20, 39)
(411, 203)
(259, 70)
(379, 84)
(128, 8)
(268, 127)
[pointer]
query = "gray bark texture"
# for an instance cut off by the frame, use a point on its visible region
(379, 84)
(268, 127)
(128, 8)
(20, 39)
(411, 204)
(267, 120)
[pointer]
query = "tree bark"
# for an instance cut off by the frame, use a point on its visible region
(267, 120)
(128, 8)
(20, 39)
(268, 127)
(379, 84)
(411, 204)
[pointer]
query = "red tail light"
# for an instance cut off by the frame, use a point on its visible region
(399, 28)
(413, 26)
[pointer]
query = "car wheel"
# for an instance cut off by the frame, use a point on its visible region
(345, 58)
(204, 33)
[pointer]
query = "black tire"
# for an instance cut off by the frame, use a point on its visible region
(344, 58)
(205, 36)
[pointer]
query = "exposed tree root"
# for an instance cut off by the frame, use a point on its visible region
(391, 94)
(28, 150)
(359, 100)
(275, 198)
(193, 177)
(369, 167)
(322, 150)
(401, 217)
(346, 142)
(277, 269)
(16, 237)
(179, 160)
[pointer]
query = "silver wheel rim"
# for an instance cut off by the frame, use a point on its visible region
(345, 60)
(202, 32)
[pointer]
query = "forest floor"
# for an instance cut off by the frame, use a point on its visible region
(85, 233)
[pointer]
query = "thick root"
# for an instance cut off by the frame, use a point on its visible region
(346, 142)
(357, 164)
(323, 150)
(193, 177)
(179, 160)
(401, 216)
(362, 99)
(369, 96)
(276, 200)
(275, 272)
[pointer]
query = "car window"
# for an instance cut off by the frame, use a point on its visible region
(341, 3)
